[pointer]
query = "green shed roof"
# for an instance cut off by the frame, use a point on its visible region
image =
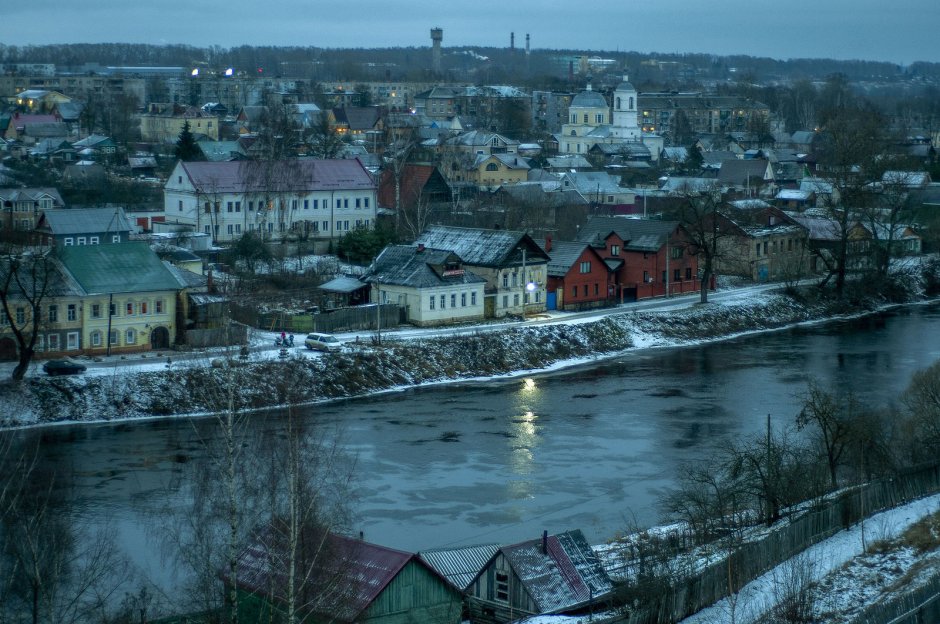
(117, 268)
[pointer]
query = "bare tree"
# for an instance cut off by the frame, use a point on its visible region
(834, 421)
(27, 279)
(698, 212)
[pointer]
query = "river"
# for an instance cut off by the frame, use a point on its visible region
(591, 448)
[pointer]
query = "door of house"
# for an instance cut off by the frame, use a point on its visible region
(552, 301)
(160, 338)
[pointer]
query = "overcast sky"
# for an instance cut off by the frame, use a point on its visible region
(902, 31)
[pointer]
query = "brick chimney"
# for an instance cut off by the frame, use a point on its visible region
(420, 247)
(548, 243)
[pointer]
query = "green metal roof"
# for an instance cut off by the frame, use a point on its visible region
(117, 268)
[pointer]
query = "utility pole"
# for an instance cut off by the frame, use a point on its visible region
(524, 291)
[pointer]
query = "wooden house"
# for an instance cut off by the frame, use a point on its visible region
(558, 574)
(352, 581)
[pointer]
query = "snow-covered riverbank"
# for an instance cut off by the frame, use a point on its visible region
(397, 364)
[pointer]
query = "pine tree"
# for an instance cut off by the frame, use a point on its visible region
(186, 147)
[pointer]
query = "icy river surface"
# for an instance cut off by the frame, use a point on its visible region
(499, 461)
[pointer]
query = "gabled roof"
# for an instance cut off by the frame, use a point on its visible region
(418, 267)
(93, 140)
(50, 275)
(793, 195)
(343, 284)
(296, 175)
(564, 254)
(217, 151)
(683, 185)
(739, 172)
(479, 247)
(818, 228)
(84, 221)
(358, 117)
(353, 572)
(565, 576)
(413, 182)
(592, 183)
(118, 268)
(510, 161)
(31, 194)
(479, 138)
(460, 566)
(571, 161)
(637, 234)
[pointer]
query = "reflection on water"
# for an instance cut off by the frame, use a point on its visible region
(592, 448)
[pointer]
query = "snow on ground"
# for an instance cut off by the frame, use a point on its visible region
(816, 564)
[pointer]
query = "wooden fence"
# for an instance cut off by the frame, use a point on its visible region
(751, 560)
(917, 606)
(343, 319)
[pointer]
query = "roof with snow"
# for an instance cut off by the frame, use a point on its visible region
(480, 247)
(419, 267)
(563, 256)
(637, 234)
(85, 220)
(566, 576)
(118, 268)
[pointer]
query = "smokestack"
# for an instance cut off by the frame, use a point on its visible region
(437, 36)
(544, 542)
(512, 42)
(527, 44)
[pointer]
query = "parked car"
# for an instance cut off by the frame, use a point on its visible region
(63, 366)
(322, 342)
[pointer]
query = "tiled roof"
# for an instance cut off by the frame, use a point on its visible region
(566, 576)
(117, 268)
(738, 172)
(460, 566)
(563, 255)
(32, 194)
(293, 175)
(55, 279)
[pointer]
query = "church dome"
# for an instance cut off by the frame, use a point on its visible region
(588, 99)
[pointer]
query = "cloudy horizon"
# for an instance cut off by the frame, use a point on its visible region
(837, 29)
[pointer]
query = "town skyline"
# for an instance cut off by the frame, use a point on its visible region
(838, 29)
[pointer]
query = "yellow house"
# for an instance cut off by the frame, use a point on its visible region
(130, 297)
(163, 125)
(490, 172)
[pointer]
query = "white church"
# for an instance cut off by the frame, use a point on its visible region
(590, 123)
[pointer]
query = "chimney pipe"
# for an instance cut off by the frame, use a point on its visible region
(527, 43)
(512, 41)
(548, 243)
(544, 542)
(420, 247)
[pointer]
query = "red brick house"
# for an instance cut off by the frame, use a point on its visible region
(648, 257)
(578, 277)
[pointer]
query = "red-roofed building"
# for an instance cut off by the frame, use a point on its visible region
(351, 581)
(418, 183)
(318, 200)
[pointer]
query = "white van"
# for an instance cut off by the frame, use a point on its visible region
(322, 342)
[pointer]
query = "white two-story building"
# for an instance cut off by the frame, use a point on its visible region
(279, 200)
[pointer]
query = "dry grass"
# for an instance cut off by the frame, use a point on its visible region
(924, 535)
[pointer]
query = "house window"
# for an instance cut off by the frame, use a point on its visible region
(158, 306)
(130, 336)
(676, 253)
(646, 277)
(599, 118)
(358, 202)
(585, 290)
(39, 343)
(596, 289)
(230, 206)
(366, 202)
(443, 302)
(502, 587)
(69, 241)
(505, 280)
(179, 179)
(238, 206)
(677, 275)
(431, 303)
(71, 341)
(326, 226)
(505, 301)
(293, 204)
(345, 203)
(339, 226)
(515, 300)
(585, 117)
(463, 300)
(688, 273)
(346, 225)
(20, 316)
(664, 277)
(238, 228)
(207, 208)
(585, 267)
(757, 249)
(453, 300)
(116, 238)
(208, 229)
(574, 291)
(306, 204)
(251, 206)
(53, 313)
(231, 229)
(93, 240)
(316, 204)
(95, 338)
(113, 337)
(112, 309)
(96, 310)
(473, 298)
(143, 307)
(129, 308)
(71, 312)
(615, 250)
(492, 167)
(53, 341)
(180, 205)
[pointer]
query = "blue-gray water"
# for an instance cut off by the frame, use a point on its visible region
(500, 461)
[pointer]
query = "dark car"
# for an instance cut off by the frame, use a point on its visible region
(63, 367)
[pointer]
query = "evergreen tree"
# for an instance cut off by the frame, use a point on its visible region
(186, 147)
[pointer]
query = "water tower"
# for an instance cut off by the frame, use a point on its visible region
(437, 35)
